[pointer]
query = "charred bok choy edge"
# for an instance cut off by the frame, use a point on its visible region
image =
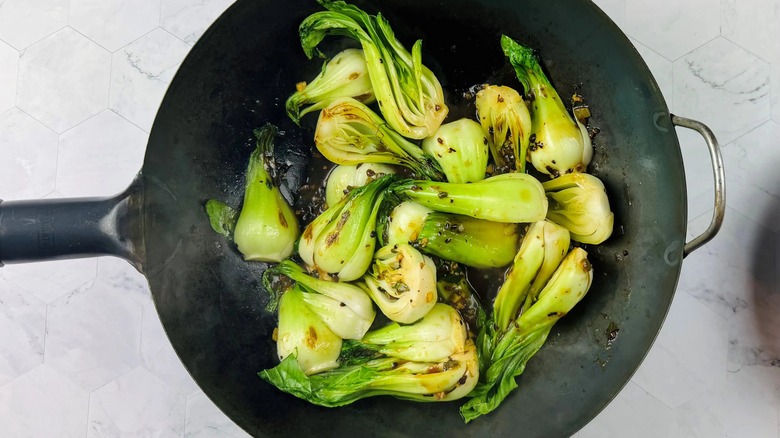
(346, 75)
(266, 227)
(506, 121)
(505, 353)
(304, 336)
(409, 94)
(348, 132)
(340, 242)
(559, 143)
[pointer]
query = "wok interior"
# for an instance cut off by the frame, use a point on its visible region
(238, 77)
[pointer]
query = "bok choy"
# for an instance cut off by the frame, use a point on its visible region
(473, 242)
(343, 307)
(408, 93)
(302, 335)
(510, 197)
(346, 75)
(461, 149)
(266, 228)
(343, 178)
(402, 283)
(445, 380)
(340, 242)
(505, 118)
(505, 353)
(348, 132)
(559, 143)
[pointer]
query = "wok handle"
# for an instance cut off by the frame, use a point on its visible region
(720, 182)
(53, 229)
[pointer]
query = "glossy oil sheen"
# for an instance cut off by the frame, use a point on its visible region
(237, 78)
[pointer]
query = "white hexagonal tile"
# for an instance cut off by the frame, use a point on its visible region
(100, 156)
(660, 67)
(752, 182)
(93, 336)
(187, 19)
(616, 9)
(63, 80)
(23, 22)
(43, 403)
(48, 281)
(140, 74)
(123, 277)
(136, 404)
(9, 66)
(723, 273)
(689, 355)
(673, 28)
(724, 86)
(159, 357)
(753, 25)
(22, 323)
(205, 420)
(114, 23)
(28, 153)
(744, 406)
(633, 413)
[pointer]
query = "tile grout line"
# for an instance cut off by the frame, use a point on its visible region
(186, 407)
(185, 42)
(757, 56)
(89, 406)
(45, 333)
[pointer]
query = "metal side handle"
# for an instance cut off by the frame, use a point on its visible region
(719, 175)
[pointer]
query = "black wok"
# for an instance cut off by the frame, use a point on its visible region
(210, 301)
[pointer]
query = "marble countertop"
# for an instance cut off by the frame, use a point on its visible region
(82, 352)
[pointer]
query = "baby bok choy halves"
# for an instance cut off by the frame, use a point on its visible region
(417, 213)
(343, 307)
(473, 242)
(408, 93)
(505, 118)
(431, 360)
(445, 380)
(505, 353)
(304, 336)
(510, 197)
(346, 75)
(559, 143)
(579, 203)
(348, 132)
(402, 283)
(543, 247)
(340, 242)
(343, 178)
(461, 149)
(266, 228)
(437, 336)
